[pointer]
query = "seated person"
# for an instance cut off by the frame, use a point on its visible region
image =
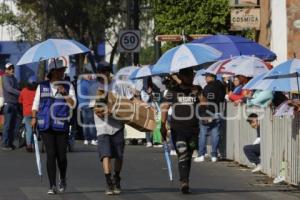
(238, 94)
(261, 98)
(252, 151)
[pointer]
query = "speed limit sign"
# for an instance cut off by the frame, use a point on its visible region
(129, 41)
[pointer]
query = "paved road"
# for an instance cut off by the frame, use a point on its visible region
(144, 177)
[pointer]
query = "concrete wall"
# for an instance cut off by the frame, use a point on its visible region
(279, 30)
(293, 43)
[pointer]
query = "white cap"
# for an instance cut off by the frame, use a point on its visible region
(8, 65)
(55, 64)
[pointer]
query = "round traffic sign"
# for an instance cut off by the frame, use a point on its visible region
(129, 41)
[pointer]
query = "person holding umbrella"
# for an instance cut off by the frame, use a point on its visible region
(184, 123)
(51, 110)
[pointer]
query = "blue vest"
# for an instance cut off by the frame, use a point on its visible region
(53, 112)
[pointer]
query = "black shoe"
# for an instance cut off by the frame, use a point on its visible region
(185, 189)
(52, 191)
(109, 189)
(62, 185)
(117, 185)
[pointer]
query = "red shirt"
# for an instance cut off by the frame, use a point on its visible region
(26, 99)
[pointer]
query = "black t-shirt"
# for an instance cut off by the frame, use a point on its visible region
(184, 102)
(215, 93)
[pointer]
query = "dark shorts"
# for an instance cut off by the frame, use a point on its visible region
(111, 146)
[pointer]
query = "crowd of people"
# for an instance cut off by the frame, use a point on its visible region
(189, 114)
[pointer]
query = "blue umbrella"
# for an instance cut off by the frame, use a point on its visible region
(183, 56)
(168, 160)
(231, 46)
(254, 81)
(284, 77)
(52, 48)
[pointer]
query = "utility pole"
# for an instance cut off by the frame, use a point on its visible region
(136, 23)
(132, 22)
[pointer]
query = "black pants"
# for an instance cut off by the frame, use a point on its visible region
(56, 148)
(185, 144)
(252, 152)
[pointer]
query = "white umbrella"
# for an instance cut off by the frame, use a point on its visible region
(249, 66)
(199, 78)
(218, 67)
(37, 156)
(124, 84)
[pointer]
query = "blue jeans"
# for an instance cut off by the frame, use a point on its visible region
(10, 119)
(89, 129)
(28, 128)
(214, 129)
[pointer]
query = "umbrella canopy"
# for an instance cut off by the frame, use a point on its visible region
(183, 56)
(218, 67)
(249, 66)
(254, 81)
(142, 72)
(122, 80)
(52, 48)
(232, 46)
(284, 77)
(199, 78)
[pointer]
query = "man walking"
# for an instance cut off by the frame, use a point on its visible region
(184, 123)
(110, 133)
(11, 107)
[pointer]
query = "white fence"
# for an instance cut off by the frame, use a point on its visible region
(280, 143)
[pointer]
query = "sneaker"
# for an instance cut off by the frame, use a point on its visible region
(94, 142)
(117, 185)
(149, 144)
(185, 189)
(195, 154)
(158, 145)
(52, 191)
(279, 179)
(109, 189)
(214, 159)
(62, 186)
(6, 148)
(173, 153)
(199, 159)
(86, 142)
(258, 168)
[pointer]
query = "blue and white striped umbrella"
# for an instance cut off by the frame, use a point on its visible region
(284, 77)
(183, 56)
(254, 81)
(52, 48)
(142, 72)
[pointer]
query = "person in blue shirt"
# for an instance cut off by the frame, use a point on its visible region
(86, 110)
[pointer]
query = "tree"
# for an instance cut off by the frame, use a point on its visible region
(82, 20)
(192, 17)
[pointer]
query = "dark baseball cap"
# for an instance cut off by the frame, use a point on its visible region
(103, 66)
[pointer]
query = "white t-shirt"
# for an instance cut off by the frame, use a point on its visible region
(108, 125)
(53, 93)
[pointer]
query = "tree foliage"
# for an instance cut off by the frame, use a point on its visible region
(191, 16)
(82, 20)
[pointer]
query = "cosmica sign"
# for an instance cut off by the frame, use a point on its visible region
(245, 18)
